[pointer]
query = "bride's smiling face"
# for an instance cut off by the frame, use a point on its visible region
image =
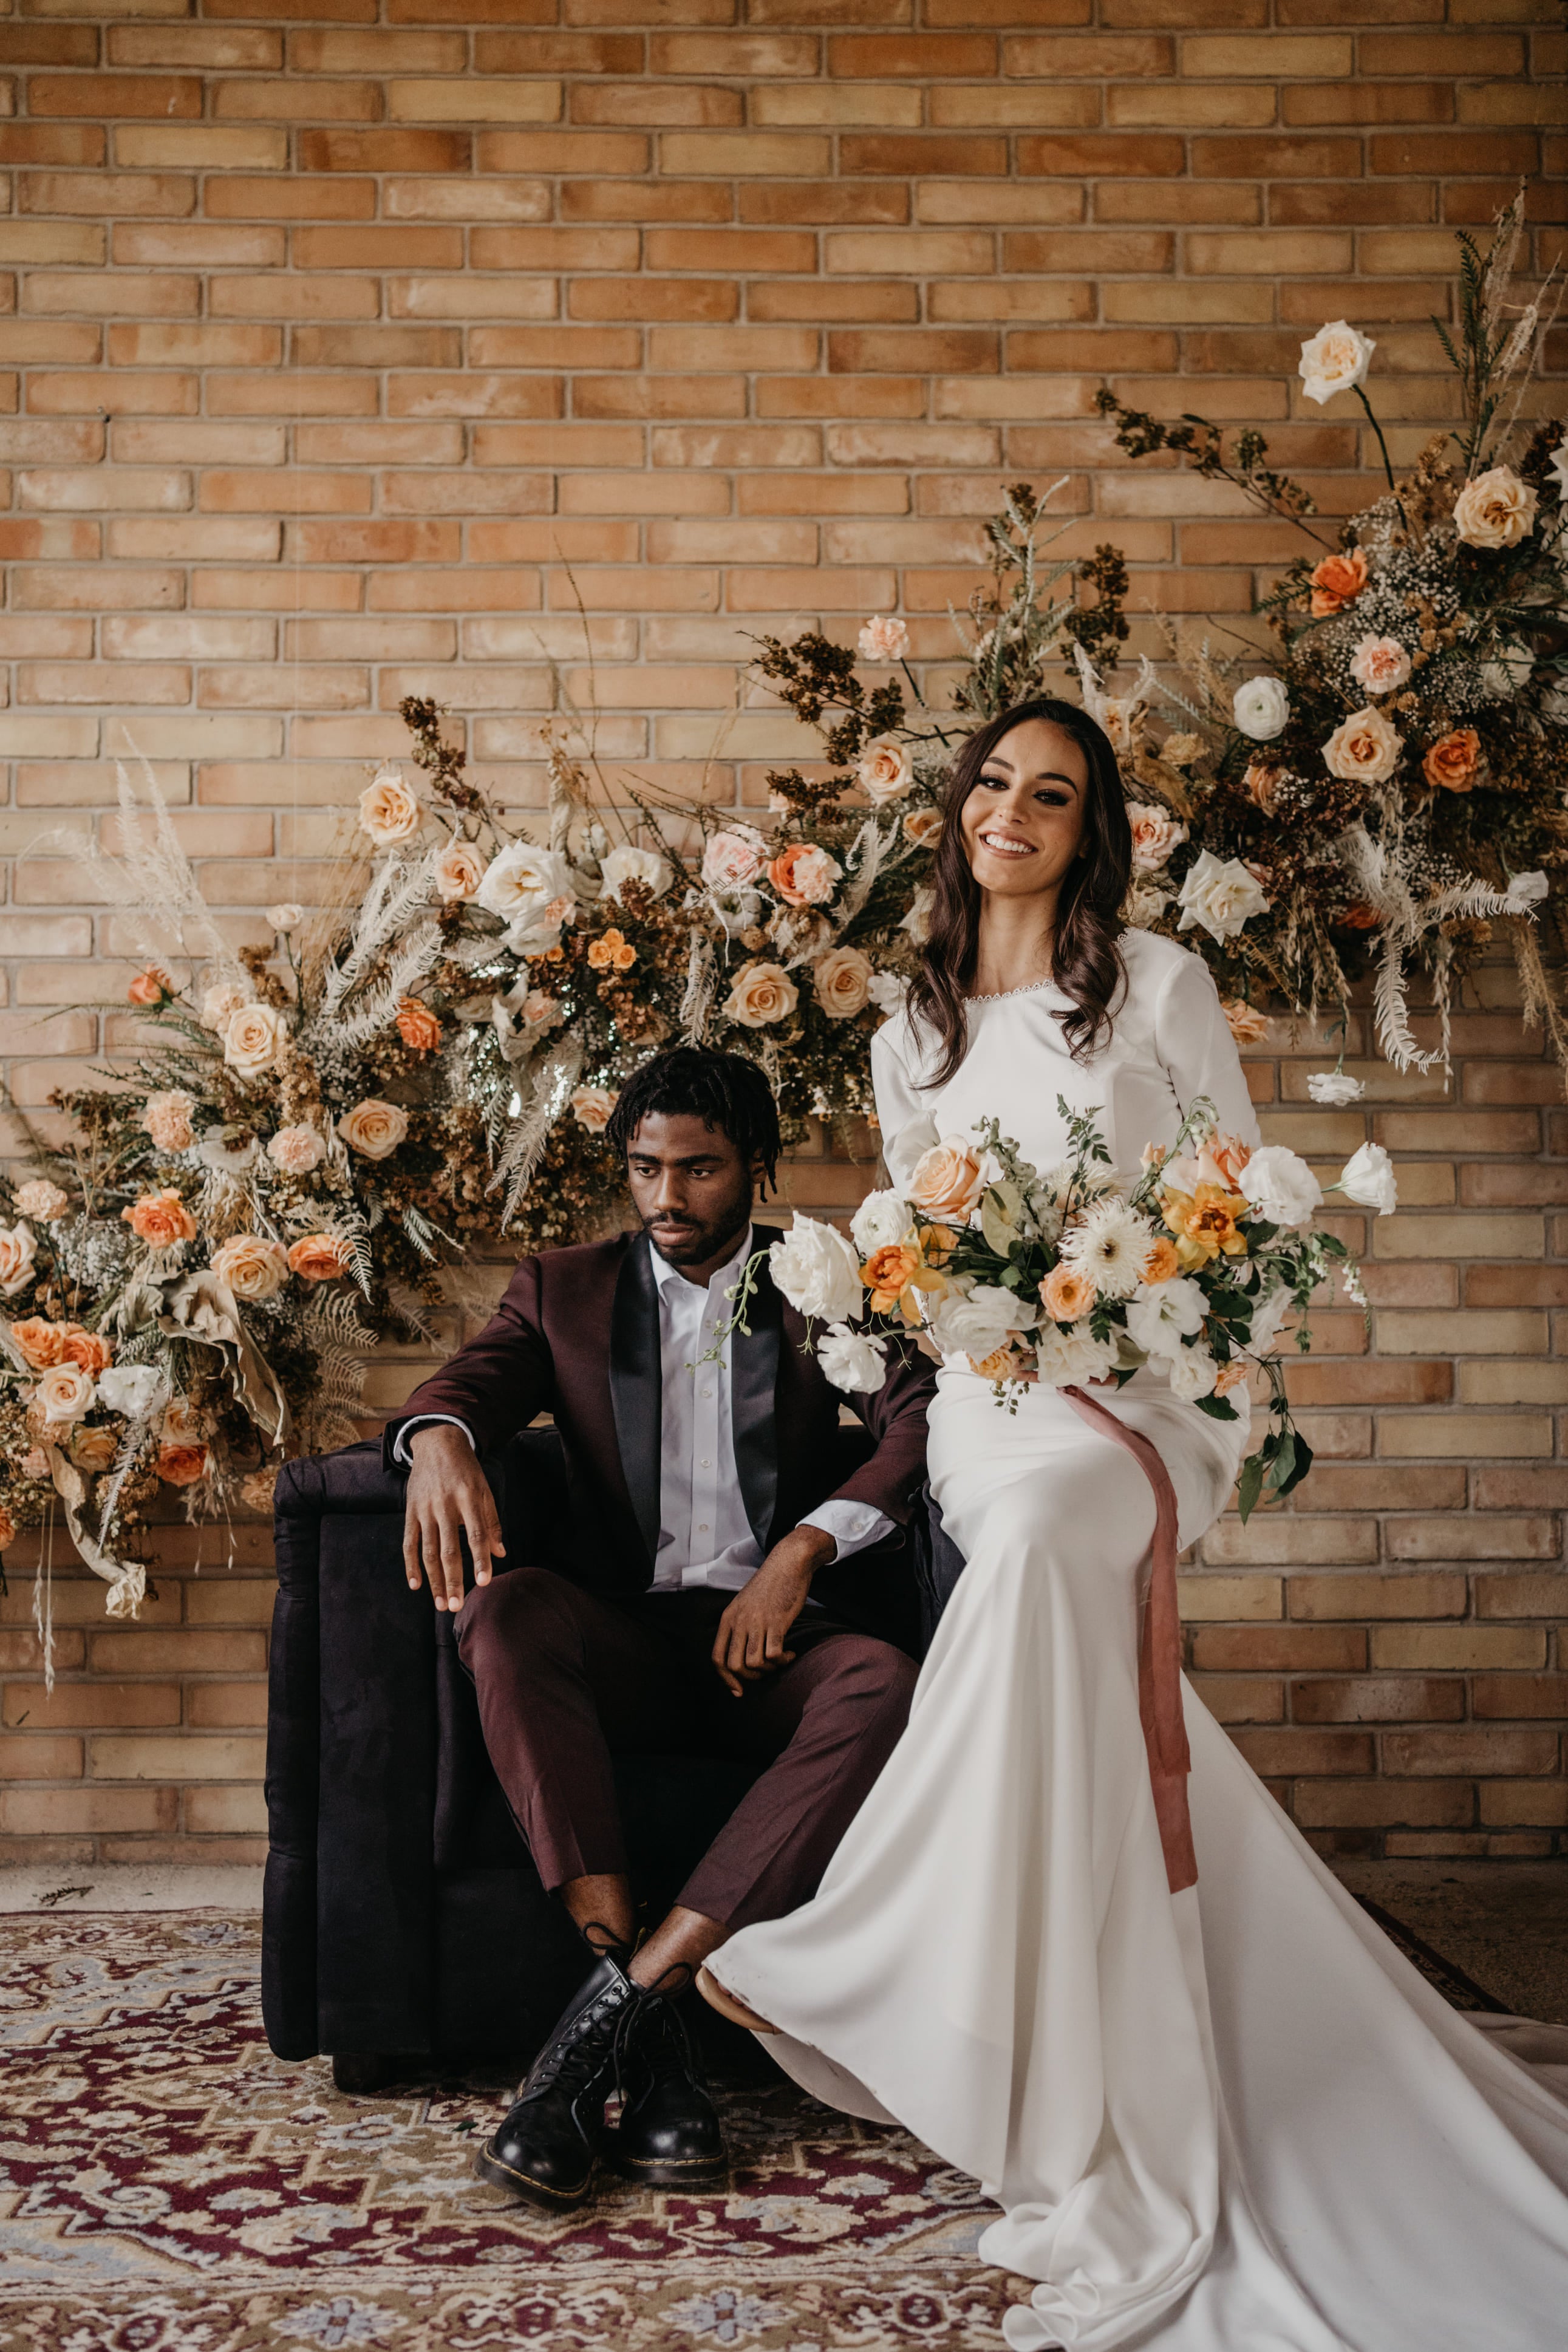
(1023, 824)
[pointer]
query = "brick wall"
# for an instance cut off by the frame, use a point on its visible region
(345, 345)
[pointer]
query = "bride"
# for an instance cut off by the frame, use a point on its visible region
(1227, 2119)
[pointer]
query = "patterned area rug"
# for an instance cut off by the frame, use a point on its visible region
(166, 2185)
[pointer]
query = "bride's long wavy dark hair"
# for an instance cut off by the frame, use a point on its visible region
(1086, 961)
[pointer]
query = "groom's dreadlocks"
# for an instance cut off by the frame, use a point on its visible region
(724, 1090)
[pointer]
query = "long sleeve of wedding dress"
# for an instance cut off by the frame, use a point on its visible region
(1232, 2119)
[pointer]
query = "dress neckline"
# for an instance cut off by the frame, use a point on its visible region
(1000, 996)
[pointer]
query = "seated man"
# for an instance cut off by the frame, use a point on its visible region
(699, 1470)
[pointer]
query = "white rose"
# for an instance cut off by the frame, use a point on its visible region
(1528, 890)
(1559, 466)
(882, 1219)
(1071, 1357)
(1363, 748)
(1221, 894)
(1261, 708)
(885, 771)
(887, 991)
(134, 1390)
(1334, 1089)
(522, 880)
(815, 1269)
(1335, 360)
(373, 1128)
(18, 1248)
(252, 1039)
(852, 1361)
(1155, 832)
(286, 918)
(1367, 1177)
(976, 1322)
(1497, 509)
(627, 864)
(1279, 1186)
(1158, 1320)
(1192, 1372)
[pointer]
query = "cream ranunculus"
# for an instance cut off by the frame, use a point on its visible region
(64, 1394)
(1496, 510)
(628, 865)
(881, 1222)
(456, 869)
(947, 1179)
(761, 995)
(373, 1128)
(253, 1037)
(1335, 360)
(1261, 707)
(1221, 894)
(885, 771)
(388, 810)
(815, 1268)
(252, 1266)
(1363, 748)
(842, 983)
(523, 880)
(1155, 832)
(852, 1361)
(1278, 1184)
(1381, 664)
(18, 1248)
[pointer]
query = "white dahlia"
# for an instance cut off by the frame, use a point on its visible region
(1109, 1243)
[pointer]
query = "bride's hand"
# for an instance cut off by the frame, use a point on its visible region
(749, 1641)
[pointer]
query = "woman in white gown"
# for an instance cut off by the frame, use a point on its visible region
(1229, 2119)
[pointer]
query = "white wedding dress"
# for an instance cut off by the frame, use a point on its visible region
(1232, 2119)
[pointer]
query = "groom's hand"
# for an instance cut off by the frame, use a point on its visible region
(749, 1641)
(448, 1497)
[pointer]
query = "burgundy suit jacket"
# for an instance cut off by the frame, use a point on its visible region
(576, 1335)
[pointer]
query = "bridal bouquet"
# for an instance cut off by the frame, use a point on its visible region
(1073, 1276)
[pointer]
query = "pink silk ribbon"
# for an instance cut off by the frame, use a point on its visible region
(1159, 1652)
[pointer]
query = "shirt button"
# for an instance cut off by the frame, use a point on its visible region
(701, 1527)
(706, 1392)
(705, 1464)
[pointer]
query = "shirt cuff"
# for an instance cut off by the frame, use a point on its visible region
(852, 1526)
(425, 1421)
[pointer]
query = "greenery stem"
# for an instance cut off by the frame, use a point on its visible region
(1387, 461)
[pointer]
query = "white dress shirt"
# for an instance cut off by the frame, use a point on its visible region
(705, 1536)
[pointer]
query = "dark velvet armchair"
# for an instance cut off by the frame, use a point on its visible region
(402, 1915)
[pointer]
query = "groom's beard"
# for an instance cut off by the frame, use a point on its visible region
(683, 1240)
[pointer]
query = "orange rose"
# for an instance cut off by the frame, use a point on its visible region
(612, 953)
(1361, 917)
(417, 1025)
(1452, 761)
(803, 875)
(1067, 1294)
(1337, 582)
(319, 1257)
(1161, 1261)
(93, 1449)
(150, 987)
(887, 1273)
(1260, 782)
(1204, 1224)
(86, 1349)
(42, 1344)
(160, 1219)
(180, 1466)
(1004, 1363)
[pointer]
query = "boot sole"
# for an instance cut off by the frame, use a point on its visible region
(533, 2192)
(693, 2172)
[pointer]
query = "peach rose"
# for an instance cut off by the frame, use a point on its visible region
(1068, 1293)
(803, 875)
(1260, 783)
(180, 1466)
(591, 1107)
(166, 1118)
(182, 1422)
(18, 1248)
(1381, 664)
(733, 859)
(882, 639)
(612, 952)
(63, 1395)
(1496, 510)
(252, 1266)
(538, 1010)
(319, 1257)
(1245, 1024)
(150, 987)
(1451, 764)
(947, 1179)
(41, 1343)
(255, 1492)
(457, 871)
(94, 1449)
(1230, 1376)
(887, 1273)
(1004, 1363)
(417, 1025)
(1337, 582)
(220, 1003)
(42, 1199)
(842, 983)
(1155, 834)
(885, 771)
(923, 827)
(388, 811)
(89, 1349)
(1162, 1263)
(761, 995)
(297, 1149)
(160, 1219)
(1221, 1161)
(253, 1037)
(373, 1128)
(1363, 748)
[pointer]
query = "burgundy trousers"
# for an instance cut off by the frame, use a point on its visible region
(564, 1680)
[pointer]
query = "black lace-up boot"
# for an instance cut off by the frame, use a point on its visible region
(549, 2145)
(668, 2136)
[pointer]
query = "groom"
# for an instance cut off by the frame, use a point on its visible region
(707, 1614)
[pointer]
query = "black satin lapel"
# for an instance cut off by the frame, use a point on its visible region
(754, 1411)
(637, 1387)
